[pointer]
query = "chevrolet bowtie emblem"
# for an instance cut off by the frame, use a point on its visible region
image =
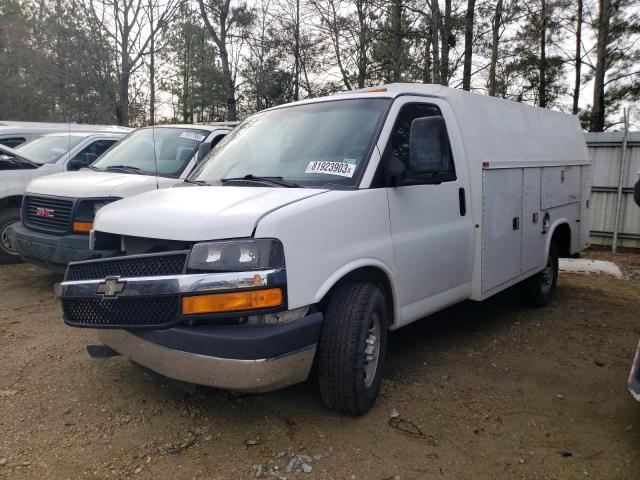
(111, 287)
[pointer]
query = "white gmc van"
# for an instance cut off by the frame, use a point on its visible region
(320, 225)
(58, 211)
(45, 155)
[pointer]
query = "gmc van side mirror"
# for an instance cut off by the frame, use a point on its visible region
(428, 146)
(80, 161)
(203, 149)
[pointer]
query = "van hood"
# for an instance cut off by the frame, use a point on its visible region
(89, 184)
(196, 213)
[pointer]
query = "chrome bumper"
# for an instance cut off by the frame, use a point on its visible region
(176, 284)
(230, 374)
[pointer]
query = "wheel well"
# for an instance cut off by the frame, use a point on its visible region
(13, 201)
(366, 274)
(562, 240)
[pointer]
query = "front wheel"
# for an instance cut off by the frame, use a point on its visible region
(352, 348)
(8, 253)
(538, 290)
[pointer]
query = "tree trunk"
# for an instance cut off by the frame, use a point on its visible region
(296, 91)
(468, 45)
(495, 31)
(446, 43)
(426, 73)
(435, 29)
(152, 72)
(396, 25)
(542, 86)
(578, 58)
(363, 36)
(598, 109)
(227, 80)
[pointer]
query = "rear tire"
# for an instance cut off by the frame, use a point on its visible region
(353, 346)
(538, 290)
(8, 254)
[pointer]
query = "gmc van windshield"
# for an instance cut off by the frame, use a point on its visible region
(301, 145)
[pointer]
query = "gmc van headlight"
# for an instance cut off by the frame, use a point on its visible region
(237, 255)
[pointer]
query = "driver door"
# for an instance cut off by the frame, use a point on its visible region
(431, 228)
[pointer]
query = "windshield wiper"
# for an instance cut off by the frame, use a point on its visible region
(200, 183)
(279, 181)
(91, 167)
(123, 168)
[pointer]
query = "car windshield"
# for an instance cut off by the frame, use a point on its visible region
(50, 148)
(174, 147)
(305, 145)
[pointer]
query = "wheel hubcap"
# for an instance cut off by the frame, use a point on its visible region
(4, 240)
(372, 350)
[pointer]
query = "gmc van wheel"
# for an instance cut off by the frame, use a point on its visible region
(352, 349)
(7, 253)
(538, 290)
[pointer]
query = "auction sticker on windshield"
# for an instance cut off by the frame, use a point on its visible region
(332, 168)
(193, 136)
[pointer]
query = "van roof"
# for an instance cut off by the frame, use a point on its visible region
(10, 126)
(498, 132)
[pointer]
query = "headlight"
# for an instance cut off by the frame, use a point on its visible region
(97, 206)
(86, 211)
(237, 255)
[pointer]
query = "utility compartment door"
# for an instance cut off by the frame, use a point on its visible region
(501, 229)
(533, 241)
(560, 186)
(585, 206)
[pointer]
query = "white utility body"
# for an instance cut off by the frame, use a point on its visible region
(130, 168)
(366, 210)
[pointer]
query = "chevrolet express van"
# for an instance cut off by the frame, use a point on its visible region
(58, 211)
(318, 226)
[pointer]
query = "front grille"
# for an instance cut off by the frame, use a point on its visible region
(128, 267)
(123, 312)
(55, 213)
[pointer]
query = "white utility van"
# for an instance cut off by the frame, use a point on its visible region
(320, 225)
(14, 133)
(58, 211)
(44, 155)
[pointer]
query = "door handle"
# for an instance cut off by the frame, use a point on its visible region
(463, 202)
(516, 223)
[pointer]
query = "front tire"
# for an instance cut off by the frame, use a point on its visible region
(353, 346)
(538, 290)
(8, 254)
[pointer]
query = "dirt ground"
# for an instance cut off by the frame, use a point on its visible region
(483, 391)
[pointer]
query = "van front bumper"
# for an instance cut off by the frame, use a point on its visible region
(53, 251)
(252, 358)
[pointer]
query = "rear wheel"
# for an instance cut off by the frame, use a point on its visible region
(538, 290)
(8, 253)
(352, 348)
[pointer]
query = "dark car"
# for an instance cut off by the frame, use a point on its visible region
(634, 376)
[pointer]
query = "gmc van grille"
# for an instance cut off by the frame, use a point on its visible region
(152, 312)
(128, 267)
(47, 213)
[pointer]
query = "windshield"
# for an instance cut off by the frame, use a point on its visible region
(49, 149)
(308, 145)
(174, 147)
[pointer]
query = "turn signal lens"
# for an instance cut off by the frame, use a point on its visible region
(82, 227)
(232, 302)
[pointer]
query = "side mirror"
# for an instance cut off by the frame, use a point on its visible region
(393, 171)
(203, 149)
(428, 146)
(80, 161)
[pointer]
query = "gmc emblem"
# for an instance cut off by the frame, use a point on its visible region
(45, 212)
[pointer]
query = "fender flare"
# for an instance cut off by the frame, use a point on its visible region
(552, 230)
(354, 265)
